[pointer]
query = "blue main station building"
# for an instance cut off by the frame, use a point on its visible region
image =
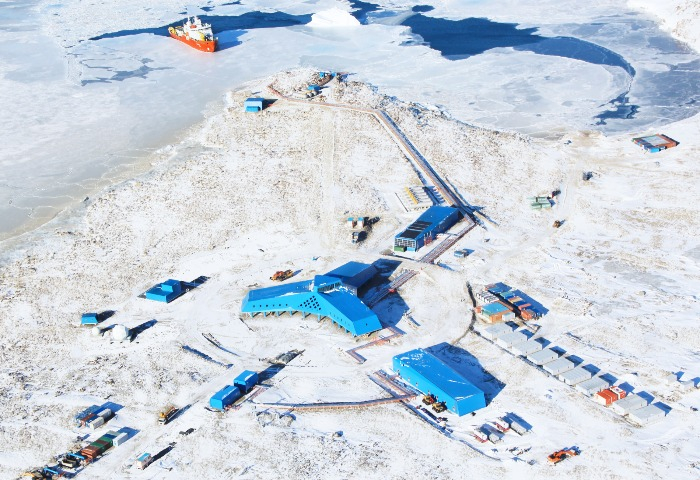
(333, 295)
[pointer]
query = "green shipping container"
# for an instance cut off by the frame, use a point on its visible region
(101, 444)
(108, 441)
(399, 249)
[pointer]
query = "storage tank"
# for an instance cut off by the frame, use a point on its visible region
(120, 333)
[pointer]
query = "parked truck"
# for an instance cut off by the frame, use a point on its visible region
(167, 414)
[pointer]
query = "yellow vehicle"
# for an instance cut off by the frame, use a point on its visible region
(282, 275)
(167, 414)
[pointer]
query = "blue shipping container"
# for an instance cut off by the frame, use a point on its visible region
(246, 381)
(224, 397)
(89, 319)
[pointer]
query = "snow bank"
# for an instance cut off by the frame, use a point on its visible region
(681, 18)
(334, 17)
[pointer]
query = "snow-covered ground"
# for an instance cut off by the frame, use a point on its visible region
(246, 194)
(237, 196)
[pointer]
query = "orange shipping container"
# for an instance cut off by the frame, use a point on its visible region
(609, 395)
(605, 397)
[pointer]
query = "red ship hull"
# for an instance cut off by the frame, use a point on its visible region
(201, 45)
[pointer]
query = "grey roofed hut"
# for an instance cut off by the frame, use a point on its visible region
(509, 339)
(526, 348)
(560, 365)
(495, 331)
(575, 376)
(543, 356)
(592, 386)
(646, 415)
(629, 404)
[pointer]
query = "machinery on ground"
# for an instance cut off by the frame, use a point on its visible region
(71, 460)
(561, 455)
(167, 414)
(282, 275)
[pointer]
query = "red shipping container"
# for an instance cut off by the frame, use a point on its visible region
(609, 395)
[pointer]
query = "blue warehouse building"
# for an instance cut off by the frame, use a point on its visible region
(332, 295)
(165, 292)
(436, 219)
(430, 375)
(254, 104)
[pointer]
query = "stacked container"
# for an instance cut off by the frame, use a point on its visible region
(99, 446)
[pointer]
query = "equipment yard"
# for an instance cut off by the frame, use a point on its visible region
(262, 204)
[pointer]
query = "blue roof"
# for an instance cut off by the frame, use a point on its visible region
(438, 373)
(493, 308)
(499, 287)
(354, 274)
(254, 100)
(436, 214)
(347, 303)
(428, 221)
(279, 290)
(321, 281)
(244, 376)
(224, 392)
(324, 296)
